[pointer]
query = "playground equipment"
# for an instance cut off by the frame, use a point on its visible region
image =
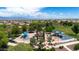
(25, 35)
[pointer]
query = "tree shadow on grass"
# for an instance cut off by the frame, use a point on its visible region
(4, 48)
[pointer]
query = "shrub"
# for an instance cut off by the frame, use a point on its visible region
(76, 47)
(49, 28)
(61, 47)
(75, 28)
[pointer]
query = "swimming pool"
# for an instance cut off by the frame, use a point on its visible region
(62, 37)
(65, 37)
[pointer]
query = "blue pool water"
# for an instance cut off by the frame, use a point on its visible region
(65, 37)
(60, 33)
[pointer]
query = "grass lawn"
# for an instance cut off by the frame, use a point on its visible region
(20, 47)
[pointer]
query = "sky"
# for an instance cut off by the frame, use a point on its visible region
(39, 12)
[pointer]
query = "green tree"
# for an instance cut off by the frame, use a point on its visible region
(24, 28)
(15, 30)
(32, 41)
(3, 40)
(76, 47)
(49, 28)
(35, 26)
(66, 23)
(75, 29)
(51, 49)
(32, 27)
(4, 25)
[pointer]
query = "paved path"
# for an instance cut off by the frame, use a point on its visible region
(65, 44)
(67, 48)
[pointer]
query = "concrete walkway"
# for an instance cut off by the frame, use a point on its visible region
(65, 44)
(67, 48)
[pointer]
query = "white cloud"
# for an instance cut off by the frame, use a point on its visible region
(9, 11)
(30, 12)
(33, 12)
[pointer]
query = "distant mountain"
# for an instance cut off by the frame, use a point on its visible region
(25, 18)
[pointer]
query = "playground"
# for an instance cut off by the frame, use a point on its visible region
(23, 38)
